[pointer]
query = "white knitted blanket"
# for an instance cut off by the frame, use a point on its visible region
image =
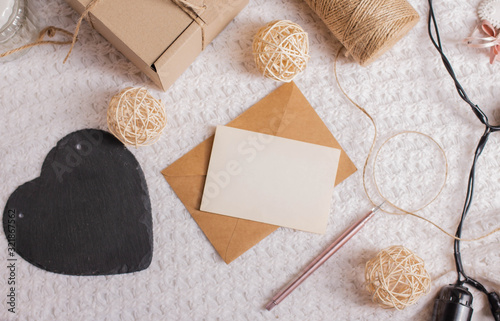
(42, 100)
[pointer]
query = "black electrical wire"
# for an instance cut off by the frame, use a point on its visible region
(462, 277)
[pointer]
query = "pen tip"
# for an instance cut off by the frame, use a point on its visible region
(376, 208)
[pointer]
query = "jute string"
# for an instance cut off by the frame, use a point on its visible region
(366, 28)
(48, 31)
(84, 15)
(399, 210)
(194, 11)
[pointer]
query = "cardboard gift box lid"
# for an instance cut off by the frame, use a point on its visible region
(161, 37)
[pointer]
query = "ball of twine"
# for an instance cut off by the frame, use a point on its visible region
(366, 28)
(396, 278)
(135, 117)
(281, 50)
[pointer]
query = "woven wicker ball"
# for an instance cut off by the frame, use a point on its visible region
(281, 50)
(396, 278)
(135, 117)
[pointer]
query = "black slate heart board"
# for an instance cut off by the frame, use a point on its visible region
(88, 213)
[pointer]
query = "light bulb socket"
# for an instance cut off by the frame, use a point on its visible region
(453, 303)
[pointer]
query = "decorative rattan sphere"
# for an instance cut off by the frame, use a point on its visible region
(396, 278)
(281, 50)
(135, 117)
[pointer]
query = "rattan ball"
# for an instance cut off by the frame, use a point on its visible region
(396, 278)
(135, 117)
(281, 50)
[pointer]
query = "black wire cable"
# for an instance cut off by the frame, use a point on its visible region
(462, 277)
(468, 202)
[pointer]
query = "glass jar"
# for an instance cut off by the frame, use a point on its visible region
(17, 27)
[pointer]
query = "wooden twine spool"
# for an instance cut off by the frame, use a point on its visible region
(366, 28)
(281, 50)
(396, 278)
(135, 117)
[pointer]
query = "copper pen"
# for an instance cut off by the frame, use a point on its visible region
(320, 259)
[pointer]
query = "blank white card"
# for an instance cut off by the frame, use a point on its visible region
(270, 179)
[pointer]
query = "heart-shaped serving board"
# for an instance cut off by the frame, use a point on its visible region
(88, 213)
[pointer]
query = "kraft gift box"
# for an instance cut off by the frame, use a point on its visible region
(161, 37)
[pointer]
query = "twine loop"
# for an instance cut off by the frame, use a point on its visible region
(51, 32)
(48, 31)
(365, 166)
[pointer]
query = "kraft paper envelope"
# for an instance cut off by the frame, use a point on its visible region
(285, 113)
(270, 179)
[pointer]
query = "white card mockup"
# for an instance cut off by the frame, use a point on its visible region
(270, 179)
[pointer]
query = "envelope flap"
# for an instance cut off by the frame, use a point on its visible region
(301, 122)
(231, 236)
(265, 117)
